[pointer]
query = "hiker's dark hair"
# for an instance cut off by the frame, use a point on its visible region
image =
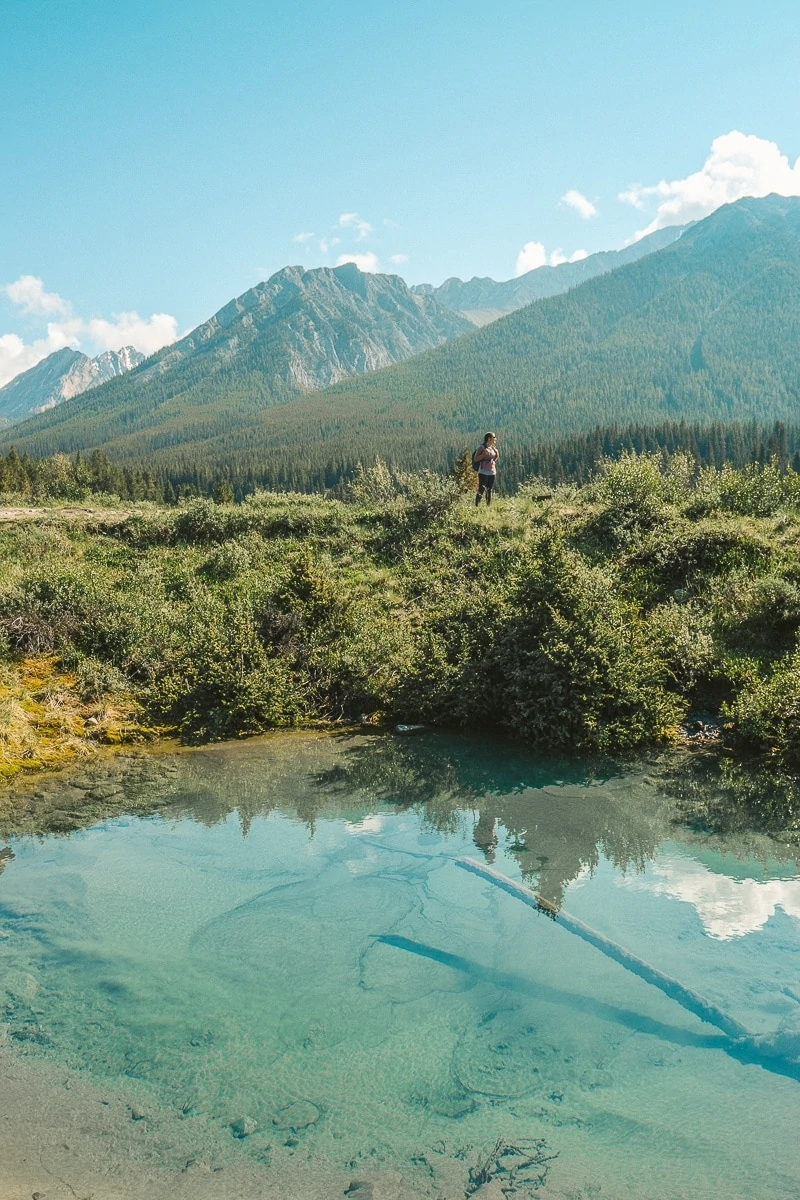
(486, 436)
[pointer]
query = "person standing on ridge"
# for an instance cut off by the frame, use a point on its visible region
(485, 460)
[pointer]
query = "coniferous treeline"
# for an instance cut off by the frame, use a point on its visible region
(568, 460)
(574, 459)
(62, 478)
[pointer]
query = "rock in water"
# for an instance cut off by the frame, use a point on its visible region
(20, 985)
(242, 1127)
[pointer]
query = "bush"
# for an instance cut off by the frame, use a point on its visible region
(446, 674)
(49, 607)
(204, 521)
(682, 559)
(430, 497)
(230, 559)
(95, 679)
(680, 636)
(765, 716)
(222, 680)
(755, 490)
(635, 490)
(375, 486)
(758, 616)
(575, 666)
(555, 656)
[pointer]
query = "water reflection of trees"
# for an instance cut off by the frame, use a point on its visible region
(557, 817)
(735, 800)
(554, 816)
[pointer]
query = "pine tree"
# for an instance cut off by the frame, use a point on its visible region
(222, 492)
(462, 471)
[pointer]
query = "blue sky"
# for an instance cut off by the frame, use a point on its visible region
(161, 157)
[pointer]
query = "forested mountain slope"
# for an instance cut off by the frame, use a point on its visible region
(300, 330)
(707, 329)
(484, 300)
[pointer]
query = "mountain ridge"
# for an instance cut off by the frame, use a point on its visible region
(706, 329)
(482, 300)
(300, 330)
(61, 376)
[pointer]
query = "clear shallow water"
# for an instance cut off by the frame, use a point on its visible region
(292, 946)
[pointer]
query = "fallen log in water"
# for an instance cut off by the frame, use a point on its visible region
(684, 996)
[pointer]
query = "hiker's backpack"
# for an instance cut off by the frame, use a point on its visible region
(476, 462)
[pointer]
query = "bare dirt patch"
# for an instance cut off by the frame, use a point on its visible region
(64, 512)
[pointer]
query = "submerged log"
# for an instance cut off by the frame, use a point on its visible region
(688, 999)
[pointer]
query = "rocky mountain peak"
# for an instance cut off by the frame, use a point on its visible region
(61, 376)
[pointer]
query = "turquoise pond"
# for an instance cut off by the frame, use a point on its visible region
(288, 951)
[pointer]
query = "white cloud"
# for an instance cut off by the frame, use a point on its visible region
(28, 293)
(578, 201)
(353, 221)
(146, 334)
(398, 259)
(533, 255)
(727, 907)
(301, 238)
(365, 262)
(739, 165)
(17, 356)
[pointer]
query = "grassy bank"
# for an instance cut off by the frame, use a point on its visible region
(597, 618)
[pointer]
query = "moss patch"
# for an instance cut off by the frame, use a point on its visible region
(44, 721)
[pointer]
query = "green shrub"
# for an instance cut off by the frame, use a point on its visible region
(430, 498)
(575, 666)
(765, 716)
(680, 560)
(446, 671)
(230, 559)
(754, 491)
(375, 486)
(222, 680)
(96, 679)
(204, 521)
(680, 636)
(635, 491)
(758, 616)
(48, 607)
(420, 497)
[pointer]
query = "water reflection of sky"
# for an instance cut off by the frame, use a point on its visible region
(294, 926)
(727, 907)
